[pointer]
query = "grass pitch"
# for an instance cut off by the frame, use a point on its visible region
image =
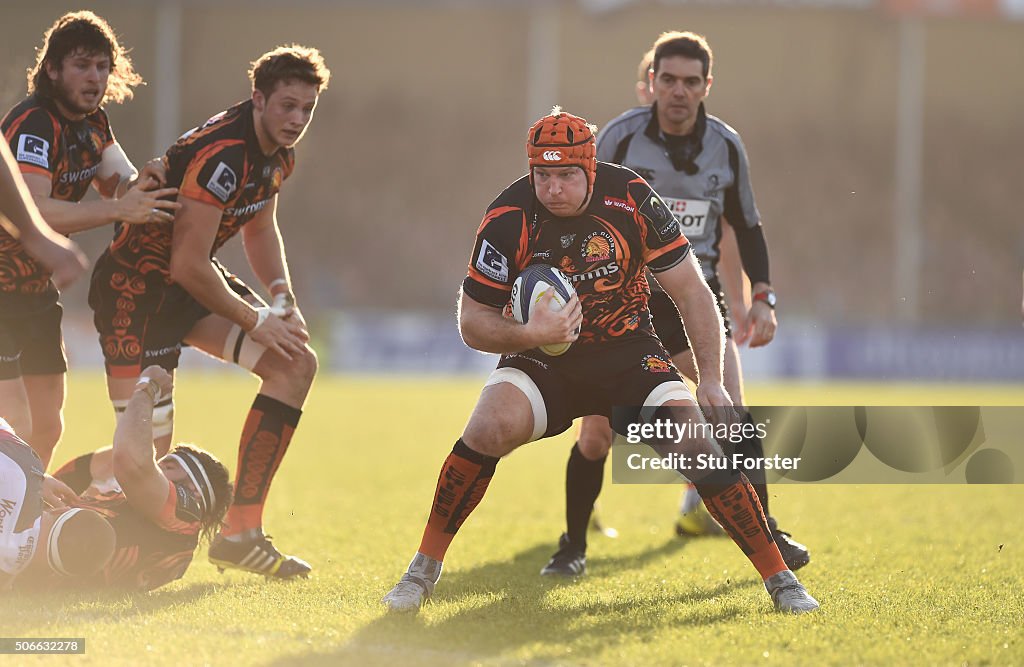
(906, 574)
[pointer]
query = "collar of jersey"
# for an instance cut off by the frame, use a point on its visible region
(682, 155)
(653, 130)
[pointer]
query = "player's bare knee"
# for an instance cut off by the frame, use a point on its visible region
(306, 365)
(298, 372)
(493, 437)
(594, 443)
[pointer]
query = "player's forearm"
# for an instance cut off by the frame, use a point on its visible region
(753, 251)
(70, 217)
(265, 252)
(496, 334)
(207, 286)
(133, 438)
(485, 329)
(18, 213)
(705, 331)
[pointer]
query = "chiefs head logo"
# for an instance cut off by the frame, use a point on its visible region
(652, 363)
(597, 247)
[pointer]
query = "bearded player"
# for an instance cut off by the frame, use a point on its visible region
(63, 144)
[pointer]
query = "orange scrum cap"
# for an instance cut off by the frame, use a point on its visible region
(561, 139)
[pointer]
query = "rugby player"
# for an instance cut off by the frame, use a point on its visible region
(158, 510)
(157, 287)
(699, 164)
(65, 541)
(603, 226)
(62, 141)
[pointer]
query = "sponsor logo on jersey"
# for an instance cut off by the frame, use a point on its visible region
(151, 354)
(9, 359)
(713, 187)
(656, 211)
(72, 177)
(248, 209)
(552, 156)
(597, 247)
(691, 214)
(612, 202)
(492, 263)
(25, 552)
(653, 363)
(543, 254)
(7, 507)
(223, 183)
(611, 268)
(518, 355)
(209, 121)
(34, 150)
(97, 142)
(567, 240)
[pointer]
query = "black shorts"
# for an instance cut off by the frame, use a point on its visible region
(593, 381)
(30, 340)
(669, 325)
(142, 319)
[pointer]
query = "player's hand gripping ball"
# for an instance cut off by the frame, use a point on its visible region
(530, 286)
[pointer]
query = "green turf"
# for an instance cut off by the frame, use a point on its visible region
(906, 574)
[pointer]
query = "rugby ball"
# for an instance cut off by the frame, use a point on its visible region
(530, 286)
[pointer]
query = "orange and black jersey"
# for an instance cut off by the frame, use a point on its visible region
(219, 163)
(149, 553)
(604, 250)
(68, 152)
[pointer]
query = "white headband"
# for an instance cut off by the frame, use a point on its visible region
(52, 553)
(191, 465)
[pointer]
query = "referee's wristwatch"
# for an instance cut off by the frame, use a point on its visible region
(767, 297)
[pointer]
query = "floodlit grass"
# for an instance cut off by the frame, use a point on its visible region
(906, 574)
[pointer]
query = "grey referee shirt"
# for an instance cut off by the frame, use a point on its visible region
(709, 178)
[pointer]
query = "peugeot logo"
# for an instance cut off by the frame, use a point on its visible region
(552, 156)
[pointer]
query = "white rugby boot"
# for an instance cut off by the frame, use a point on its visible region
(789, 594)
(415, 586)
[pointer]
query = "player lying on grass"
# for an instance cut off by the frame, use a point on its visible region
(603, 226)
(63, 540)
(159, 510)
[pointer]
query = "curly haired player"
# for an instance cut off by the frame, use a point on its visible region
(63, 144)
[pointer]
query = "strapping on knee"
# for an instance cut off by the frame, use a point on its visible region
(242, 350)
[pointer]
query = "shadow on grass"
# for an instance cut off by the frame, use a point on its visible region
(503, 606)
(96, 605)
